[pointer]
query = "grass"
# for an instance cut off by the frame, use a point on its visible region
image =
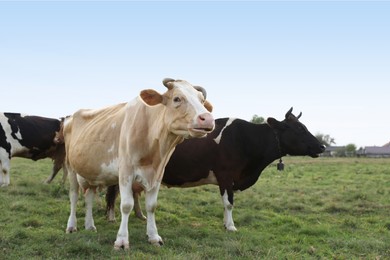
(324, 208)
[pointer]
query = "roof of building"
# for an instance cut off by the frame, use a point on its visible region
(377, 149)
(333, 148)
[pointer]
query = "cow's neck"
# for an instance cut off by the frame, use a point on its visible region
(267, 150)
(164, 141)
(278, 147)
(272, 144)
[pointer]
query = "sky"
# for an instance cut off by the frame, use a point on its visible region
(329, 60)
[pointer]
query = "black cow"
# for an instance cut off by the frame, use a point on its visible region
(30, 137)
(233, 157)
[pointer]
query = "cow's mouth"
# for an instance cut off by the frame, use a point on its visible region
(200, 130)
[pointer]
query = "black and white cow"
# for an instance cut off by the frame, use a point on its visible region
(30, 137)
(233, 157)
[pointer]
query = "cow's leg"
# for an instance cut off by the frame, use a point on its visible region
(64, 175)
(111, 195)
(4, 167)
(56, 168)
(227, 200)
(73, 196)
(137, 206)
(127, 204)
(89, 197)
(150, 205)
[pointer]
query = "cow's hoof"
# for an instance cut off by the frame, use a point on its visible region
(71, 230)
(141, 217)
(231, 228)
(91, 228)
(111, 220)
(121, 244)
(156, 241)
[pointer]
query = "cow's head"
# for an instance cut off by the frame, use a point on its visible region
(187, 111)
(294, 138)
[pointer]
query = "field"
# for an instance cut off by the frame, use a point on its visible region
(324, 208)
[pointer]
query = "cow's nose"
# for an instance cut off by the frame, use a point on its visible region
(322, 147)
(206, 120)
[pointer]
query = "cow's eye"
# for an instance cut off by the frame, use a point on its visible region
(176, 99)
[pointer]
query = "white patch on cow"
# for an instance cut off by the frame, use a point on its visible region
(111, 168)
(229, 122)
(111, 149)
(16, 147)
(228, 213)
(18, 135)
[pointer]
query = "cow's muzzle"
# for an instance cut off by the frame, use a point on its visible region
(204, 124)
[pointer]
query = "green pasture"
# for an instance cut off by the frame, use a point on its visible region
(324, 208)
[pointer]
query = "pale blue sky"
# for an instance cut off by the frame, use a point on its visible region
(328, 59)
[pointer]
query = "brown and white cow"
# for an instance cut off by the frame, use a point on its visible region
(233, 157)
(30, 137)
(133, 142)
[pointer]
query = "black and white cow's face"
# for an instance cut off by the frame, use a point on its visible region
(294, 137)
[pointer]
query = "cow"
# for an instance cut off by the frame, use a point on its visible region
(130, 144)
(233, 157)
(30, 137)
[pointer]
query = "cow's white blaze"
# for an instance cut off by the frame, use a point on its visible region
(229, 122)
(228, 213)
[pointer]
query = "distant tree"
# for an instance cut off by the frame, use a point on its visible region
(325, 139)
(257, 119)
(350, 150)
(341, 152)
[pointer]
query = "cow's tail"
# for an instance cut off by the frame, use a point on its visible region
(59, 154)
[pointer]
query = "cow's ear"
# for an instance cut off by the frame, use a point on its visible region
(151, 97)
(208, 106)
(273, 123)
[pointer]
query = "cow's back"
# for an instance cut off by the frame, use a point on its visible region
(28, 136)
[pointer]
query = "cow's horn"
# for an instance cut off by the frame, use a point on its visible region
(289, 112)
(199, 88)
(300, 114)
(166, 81)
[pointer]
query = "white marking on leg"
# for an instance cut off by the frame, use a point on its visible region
(73, 196)
(228, 213)
(4, 168)
(89, 197)
(127, 203)
(150, 205)
(229, 122)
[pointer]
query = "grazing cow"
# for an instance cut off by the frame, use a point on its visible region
(133, 142)
(30, 137)
(233, 157)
